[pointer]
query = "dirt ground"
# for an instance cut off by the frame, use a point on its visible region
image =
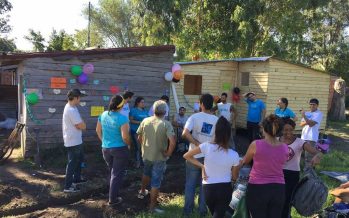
(29, 191)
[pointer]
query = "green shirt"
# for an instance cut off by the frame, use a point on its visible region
(155, 133)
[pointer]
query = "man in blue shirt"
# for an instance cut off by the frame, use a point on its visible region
(255, 115)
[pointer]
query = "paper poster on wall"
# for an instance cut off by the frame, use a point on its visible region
(96, 110)
(96, 82)
(58, 83)
(56, 91)
(226, 86)
(82, 103)
(37, 91)
(52, 110)
(106, 98)
(72, 81)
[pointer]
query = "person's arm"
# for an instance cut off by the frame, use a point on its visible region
(186, 135)
(189, 156)
(318, 155)
(81, 126)
(132, 120)
(174, 121)
(249, 154)
(214, 108)
(99, 130)
(307, 121)
(235, 170)
(125, 129)
(344, 185)
(263, 114)
(171, 147)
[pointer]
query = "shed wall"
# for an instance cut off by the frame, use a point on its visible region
(298, 84)
(258, 83)
(141, 73)
(214, 75)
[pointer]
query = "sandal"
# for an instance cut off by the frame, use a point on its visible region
(141, 194)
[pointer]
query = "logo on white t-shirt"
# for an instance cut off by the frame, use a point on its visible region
(206, 128)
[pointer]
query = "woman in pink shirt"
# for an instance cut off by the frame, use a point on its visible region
(266, 186)
(291, 168)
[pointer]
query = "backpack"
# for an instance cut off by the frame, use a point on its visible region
(310, 194)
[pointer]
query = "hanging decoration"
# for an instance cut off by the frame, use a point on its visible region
(76, 70)
(168, 76)
(88, 68)
(114, 89)
(51, 110)
(29, 111)
(236, 95)
(177, 73)
(56, 91)
(32, 98)
(96, 82)
(83, 79)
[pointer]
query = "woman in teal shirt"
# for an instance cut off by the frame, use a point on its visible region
(283, 111)
(137, 115)
(113, 130)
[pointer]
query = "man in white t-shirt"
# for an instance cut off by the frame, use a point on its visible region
(164, 98)
(72, 126)
(126, 108)
(311, 122)
(227, 110)
(199, 128)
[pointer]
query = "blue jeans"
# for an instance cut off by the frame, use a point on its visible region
(192, 179)
(73, 170)
(138, 149)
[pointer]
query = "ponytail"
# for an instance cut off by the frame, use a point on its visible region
(272, 125)
(116, 103)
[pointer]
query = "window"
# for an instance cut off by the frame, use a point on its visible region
(192, 85)
(245, 78)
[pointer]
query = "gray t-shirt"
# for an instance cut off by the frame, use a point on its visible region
(71, 135)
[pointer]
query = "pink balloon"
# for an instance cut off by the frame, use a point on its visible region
(83, 79)
(176, 67)
(88, 68)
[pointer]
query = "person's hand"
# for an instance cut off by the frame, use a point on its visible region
(316, 160)
(344, 185)
(203, 173)
(165, 153)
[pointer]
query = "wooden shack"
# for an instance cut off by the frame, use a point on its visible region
(270, 78)
(139, 69)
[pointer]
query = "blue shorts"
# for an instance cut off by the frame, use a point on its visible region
(155, 170)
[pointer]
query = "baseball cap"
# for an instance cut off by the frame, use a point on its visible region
(249, 93)
(75, 93)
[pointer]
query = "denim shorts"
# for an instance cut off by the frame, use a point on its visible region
(155, 170)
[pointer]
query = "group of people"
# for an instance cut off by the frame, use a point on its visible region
(211, 164)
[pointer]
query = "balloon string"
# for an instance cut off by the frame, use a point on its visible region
(29, 111)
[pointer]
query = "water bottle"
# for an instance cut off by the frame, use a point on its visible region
(237, 195)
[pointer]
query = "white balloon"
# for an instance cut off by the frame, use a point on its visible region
(169, 76)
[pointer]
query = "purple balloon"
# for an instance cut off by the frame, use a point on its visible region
(88, 68)
(83, 78)
(176, 67)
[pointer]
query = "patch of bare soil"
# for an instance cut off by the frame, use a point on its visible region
(26, 191)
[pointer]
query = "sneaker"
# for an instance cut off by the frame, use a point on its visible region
(157, 210)
(71, 190)
(118, 201)
(141, 194)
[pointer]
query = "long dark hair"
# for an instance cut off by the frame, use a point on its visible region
(138, 99)
(115, 103)
(222, 133)
(272, 125)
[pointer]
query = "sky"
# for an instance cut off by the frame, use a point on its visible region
(44, 16)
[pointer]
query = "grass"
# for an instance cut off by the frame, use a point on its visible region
(336, 160)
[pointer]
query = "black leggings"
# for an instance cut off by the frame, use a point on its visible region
(265, 200)
(291, 180)
(217, 197)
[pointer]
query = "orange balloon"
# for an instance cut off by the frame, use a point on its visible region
(177, 74)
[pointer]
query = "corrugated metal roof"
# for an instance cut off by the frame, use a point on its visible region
(22, 56)
(227, 60)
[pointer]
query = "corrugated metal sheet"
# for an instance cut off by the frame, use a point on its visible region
(228, 60)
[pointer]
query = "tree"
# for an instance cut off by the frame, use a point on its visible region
(60, 41)
(96, 39)
(113, 20)
(37, 40)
